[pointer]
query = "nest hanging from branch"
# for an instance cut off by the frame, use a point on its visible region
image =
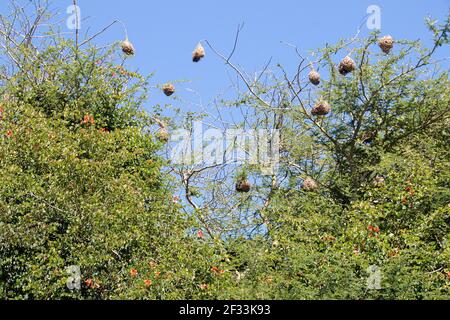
(314, 77)
(346, 66)
(310, 185)
(322, 108)
(199, 53)
(243, 186)
(128, 48)
(168, 89)
(386, 44)
(378, 181)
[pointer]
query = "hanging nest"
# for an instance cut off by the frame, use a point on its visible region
(168, 89)
(314, 77)
(386, 44)
(199, 53)
(346, 66)
(378, 181)
(128, 48)
(163, 134)
(310, 185)
(243, 186)
(322, 108)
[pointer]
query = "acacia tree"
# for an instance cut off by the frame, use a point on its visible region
(356, 180)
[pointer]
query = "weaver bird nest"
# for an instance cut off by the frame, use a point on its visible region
(199, 53)
(314, 77)
(386, 44)
(346, 66)
(243, 186)
(128, 48)
(310, 185)
(322, 108)
(168, 89)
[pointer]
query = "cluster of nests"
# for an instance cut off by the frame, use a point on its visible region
(309, 185)
(322, 108)
(346, 66)
(169, 89)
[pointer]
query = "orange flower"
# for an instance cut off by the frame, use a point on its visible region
(200, 234)
(157, 274)
(87, 119)
(133, 272)
(9, 133)
(215, 269)
(104, 130)
(89, 283)
(148, 283)
(448, 275)
(175, 199)
(204, 286)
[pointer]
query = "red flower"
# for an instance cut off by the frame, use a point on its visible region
(133, 272)
(89, 283)
(148, 283)
(200, 234)
(87, 119)
(376, 230)
(9, 133)
(217, 271)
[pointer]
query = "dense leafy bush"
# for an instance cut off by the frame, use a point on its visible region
(84, 185)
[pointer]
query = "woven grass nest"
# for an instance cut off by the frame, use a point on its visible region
(128, 48)
(199, 53)
(168, 89)
(163, 135)
(346, 66)
(386, 44)
(314, 77)
(322, 108)
(310, 185)
(243, 186)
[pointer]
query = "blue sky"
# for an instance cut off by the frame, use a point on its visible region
(165, 33)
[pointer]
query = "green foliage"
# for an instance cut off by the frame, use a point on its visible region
(83, 183)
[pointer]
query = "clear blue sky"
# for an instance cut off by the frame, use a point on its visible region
(165, 32)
